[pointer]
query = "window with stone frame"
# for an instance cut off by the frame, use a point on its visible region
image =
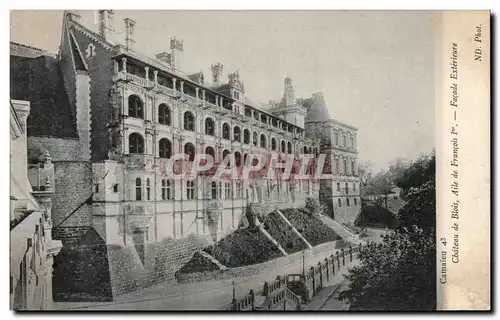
(189, 121)
(165, 148)
(135, 107)
(246, 136)
(239, 190)
(190, 190)
(255, 139)
(237, 134)
(213, 188)
(135, 143)
(273, 144)
(209, 127)
(138, 189)
(164, 116)
(226, 131)
(220, 190)
(229, 190)
(189, 149)
(340, 202)
(148, 189)
(263, 141)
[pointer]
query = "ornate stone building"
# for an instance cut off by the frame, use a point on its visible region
(32, 248)
(118, 118)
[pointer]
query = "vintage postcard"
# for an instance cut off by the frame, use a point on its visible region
(249, 160)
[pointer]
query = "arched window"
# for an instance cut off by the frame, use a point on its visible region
(209, 126)
(237, 158)
(224, 155)
(283, 146)
(344, 140)
(209, 150)
(188, 121)
(135, 107)
(273, 143)
(165, 148)
(135, 143)
(226, 132)
(263, 141)
(246, 136)
(289, 147)
(164, 114)
(148, 189)
(189, 150)
(138, 189)
(237, 134)
(214, 189)
(255, 139)
(336, 138)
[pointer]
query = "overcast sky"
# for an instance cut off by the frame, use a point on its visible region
(375, 69)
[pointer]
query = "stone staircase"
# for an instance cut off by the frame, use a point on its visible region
(264, 231)
(338, 228)
(309, 246)
(212, 259)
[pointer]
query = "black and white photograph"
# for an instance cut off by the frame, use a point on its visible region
(238, 160)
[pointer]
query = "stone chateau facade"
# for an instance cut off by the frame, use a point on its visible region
(118, 116)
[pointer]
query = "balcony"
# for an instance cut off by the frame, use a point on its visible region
(136, 161)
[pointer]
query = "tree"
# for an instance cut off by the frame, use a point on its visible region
(397, 274)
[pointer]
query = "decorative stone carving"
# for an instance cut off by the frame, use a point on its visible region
(45, 157)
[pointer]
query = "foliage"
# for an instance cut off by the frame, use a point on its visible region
(244, 247)
(198, 263)
(283, 233)
(374, 215)
(313, 207)
(311, 228)
(420, 207)
(421, 171)
(397, 274)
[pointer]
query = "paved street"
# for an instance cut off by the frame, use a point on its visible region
(199, 296)
(333, 303)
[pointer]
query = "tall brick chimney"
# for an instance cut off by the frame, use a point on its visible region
(106, 23)
(177, 47)
(129, 33)
(217, 74)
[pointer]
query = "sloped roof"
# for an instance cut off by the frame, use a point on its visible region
(317, 111)
(36, 78)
